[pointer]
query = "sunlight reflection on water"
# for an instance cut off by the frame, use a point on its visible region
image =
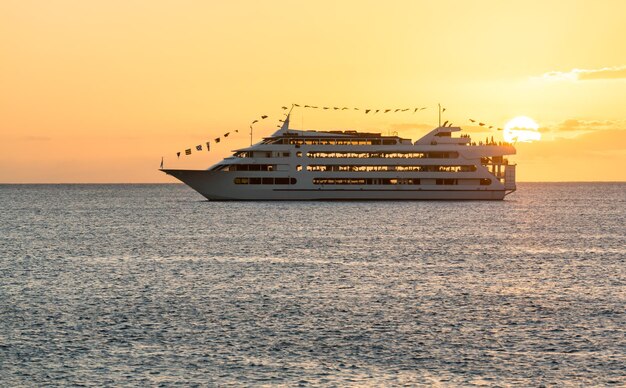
(149, 284)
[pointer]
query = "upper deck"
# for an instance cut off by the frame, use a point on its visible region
(440, 139)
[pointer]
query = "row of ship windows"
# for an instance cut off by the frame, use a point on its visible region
(351, 181)
(391, 181)
(424, 168)
(356, 168)
(265, 181)
(322, 154)
(332, 141)
(391, 155)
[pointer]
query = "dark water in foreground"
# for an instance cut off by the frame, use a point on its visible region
(149, 284)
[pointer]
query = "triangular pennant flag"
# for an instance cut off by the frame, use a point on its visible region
(377, 110)
(335, 108)
(284, 107)
(226, 134)
(444, 124)
(325, 107)
(396, 110)
(344, 108)
(367, 111)
(264, 117)
(481, 124)
(443, 110)
(387, 110)
(499, 129)
(255, 121)
(314, 107)
(199, 147)
(356, 108)
(416, 109)
(217, 140)
(236, 130)
(472, 120)
(296, 105)
(188, 151)
(178, 154)
(307, 106)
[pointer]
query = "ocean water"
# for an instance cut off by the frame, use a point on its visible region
(126, 285)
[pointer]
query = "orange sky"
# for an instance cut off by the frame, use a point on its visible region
(98, 91)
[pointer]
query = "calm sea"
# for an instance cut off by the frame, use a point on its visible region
(152, 285)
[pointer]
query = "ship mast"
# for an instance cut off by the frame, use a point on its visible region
(439, 114)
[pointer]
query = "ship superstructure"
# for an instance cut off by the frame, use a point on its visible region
(349, 165)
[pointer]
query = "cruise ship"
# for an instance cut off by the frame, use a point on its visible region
(350, 165)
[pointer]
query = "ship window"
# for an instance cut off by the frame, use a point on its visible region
(485, 182)
(366, 181)
(286, 154)
(299, 154)
(298, 168)
(252, 167)
(265, 181)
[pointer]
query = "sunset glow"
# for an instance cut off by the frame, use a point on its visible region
(100, 91)
(521, 129)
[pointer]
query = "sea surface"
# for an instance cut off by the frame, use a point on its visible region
(127, 285)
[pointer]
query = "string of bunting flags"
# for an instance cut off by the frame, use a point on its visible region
(200, 147)
(481, 124)
(366, 110)
(207, 144)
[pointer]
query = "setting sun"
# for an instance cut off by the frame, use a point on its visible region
(521, 129)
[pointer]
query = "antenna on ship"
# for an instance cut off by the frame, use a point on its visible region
(439, 114)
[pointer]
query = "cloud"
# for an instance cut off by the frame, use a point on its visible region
(603, 142)
(617, 72)
(571, 125)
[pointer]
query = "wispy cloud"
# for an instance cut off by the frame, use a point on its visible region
(616, 72)
(589, 125)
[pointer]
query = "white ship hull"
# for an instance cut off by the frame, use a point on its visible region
(216, 186)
